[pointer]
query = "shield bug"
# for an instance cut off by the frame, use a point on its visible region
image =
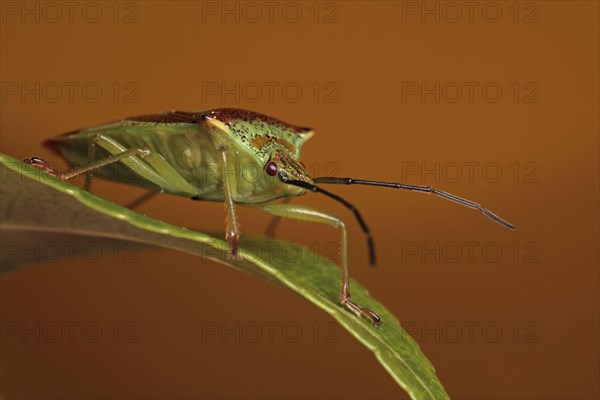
(208, 155)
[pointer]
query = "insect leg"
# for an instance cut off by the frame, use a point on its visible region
(272, 227)
(118, 153)
(232, 229)
(308, 214)
(154, 167)
(102, 163)
(141, 200)
(91, 160)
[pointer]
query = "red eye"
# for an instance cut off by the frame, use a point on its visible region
(271, 168)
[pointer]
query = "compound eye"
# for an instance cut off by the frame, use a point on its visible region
(271, 168)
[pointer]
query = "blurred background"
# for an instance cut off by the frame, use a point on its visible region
(496, 102)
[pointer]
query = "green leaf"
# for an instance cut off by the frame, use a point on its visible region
(35, 204)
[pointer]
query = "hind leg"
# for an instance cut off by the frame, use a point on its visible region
(145, 163)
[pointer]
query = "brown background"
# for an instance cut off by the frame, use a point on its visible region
(171, 52)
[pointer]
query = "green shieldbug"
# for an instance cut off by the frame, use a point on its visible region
(198, 154)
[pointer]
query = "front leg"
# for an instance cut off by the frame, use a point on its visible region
(232, 229)
(308, 214)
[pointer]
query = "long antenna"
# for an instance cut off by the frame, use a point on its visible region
(359, 218)
(418, 188)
